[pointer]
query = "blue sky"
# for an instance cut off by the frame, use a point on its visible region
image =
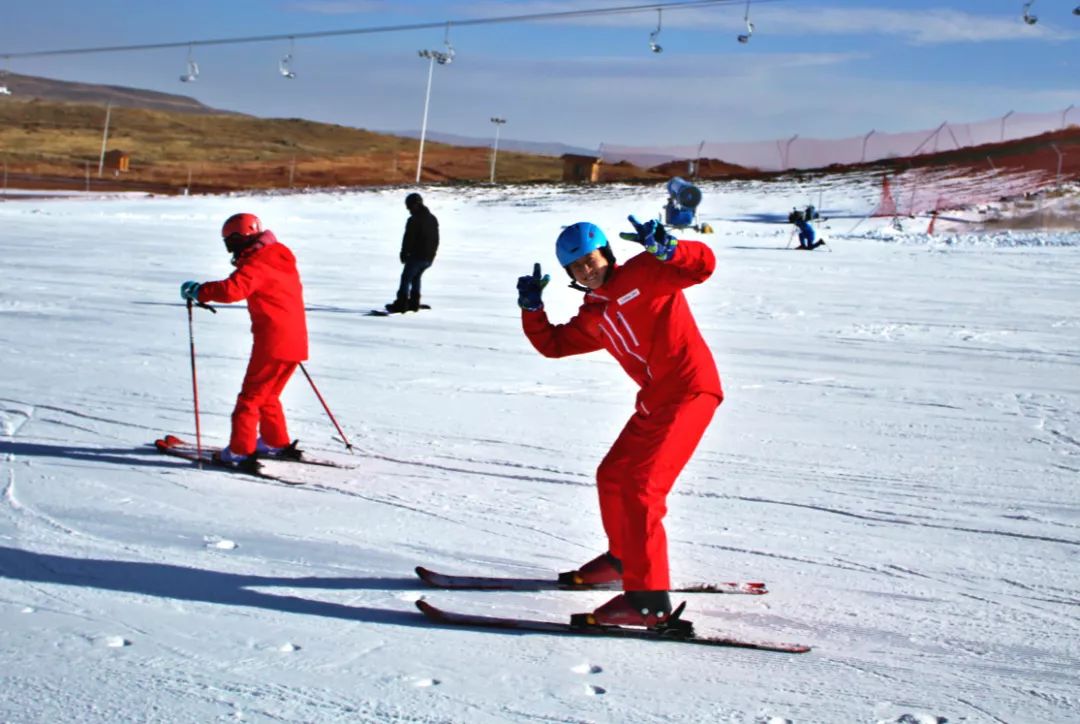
(819, 68)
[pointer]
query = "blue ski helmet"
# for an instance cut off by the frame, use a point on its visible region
(577, 240)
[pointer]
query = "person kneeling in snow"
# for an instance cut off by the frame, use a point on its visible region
(638, 313)
(807, 235)
(266, 276)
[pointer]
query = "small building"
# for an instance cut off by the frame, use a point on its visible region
(580, 168)
(117, 161)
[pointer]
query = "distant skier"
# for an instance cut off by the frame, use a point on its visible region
(266, 276)
(807, 235)
(638, 313)
(418, 248)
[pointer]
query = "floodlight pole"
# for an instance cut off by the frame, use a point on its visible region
(495, 149)
(1065, 112)
(104, 139)
(1003, 119)
(865, 139)
(787, 149)
(427, 98)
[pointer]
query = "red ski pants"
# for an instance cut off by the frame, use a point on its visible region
(634, 480)
(258, 408)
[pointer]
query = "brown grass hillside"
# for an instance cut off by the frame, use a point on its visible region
(48, 143)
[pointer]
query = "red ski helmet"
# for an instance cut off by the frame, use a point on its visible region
(239, 231)
(241, 224)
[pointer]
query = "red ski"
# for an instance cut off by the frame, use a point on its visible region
(574, 628)
(489, 583)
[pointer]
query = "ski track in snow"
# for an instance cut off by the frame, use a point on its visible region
(896, 458)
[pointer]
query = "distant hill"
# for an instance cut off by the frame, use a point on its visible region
(57, 144)
(538, 148)
(49, 89)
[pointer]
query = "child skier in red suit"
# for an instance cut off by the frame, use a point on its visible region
(638, 313)
(266, 276)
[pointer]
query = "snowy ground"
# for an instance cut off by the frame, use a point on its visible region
(897, 458)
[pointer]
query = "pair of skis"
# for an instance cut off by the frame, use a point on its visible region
(180, 448)
(579, 624)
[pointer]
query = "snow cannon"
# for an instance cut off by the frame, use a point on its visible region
(681, 208)
(684, 193)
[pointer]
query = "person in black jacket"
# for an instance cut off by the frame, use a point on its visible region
(418, 248)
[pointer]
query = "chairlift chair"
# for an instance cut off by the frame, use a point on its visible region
(1028, 17)
(653, 45)
(447, 57)
(192, 73)
(283, 67)
(285, 64)
(745, 38)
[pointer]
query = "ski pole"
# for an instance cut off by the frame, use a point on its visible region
(348, 445)
(194, 381)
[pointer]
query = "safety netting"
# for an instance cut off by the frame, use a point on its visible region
(951, 166)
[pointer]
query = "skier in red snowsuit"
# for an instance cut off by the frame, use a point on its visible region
(638, 313)
(266, 276)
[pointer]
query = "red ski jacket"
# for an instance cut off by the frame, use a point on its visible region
(267, 278)
(641, 317)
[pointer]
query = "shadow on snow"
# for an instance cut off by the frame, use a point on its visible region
(193, 584)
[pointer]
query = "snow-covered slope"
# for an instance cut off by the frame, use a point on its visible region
(897, 458)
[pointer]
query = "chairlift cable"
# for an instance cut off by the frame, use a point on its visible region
(530, 17)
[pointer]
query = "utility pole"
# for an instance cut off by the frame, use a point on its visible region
(495, 149)
(104, 139)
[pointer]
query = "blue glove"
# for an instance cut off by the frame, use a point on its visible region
(654, 237)
(190, 291)
(530, 288)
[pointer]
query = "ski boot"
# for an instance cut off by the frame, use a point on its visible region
(639, 609)
(605, 568)
(227, 458)
(285, 452)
